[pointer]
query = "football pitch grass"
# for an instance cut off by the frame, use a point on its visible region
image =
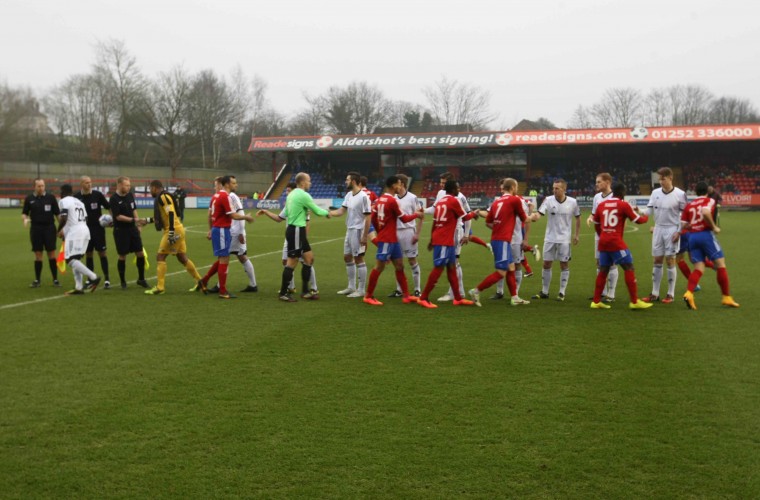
(118, 394)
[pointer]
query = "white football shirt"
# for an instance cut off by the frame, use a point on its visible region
(76, 218)
(560, 218)
(238, 226)
(357, 206)
(667, 207)
(408, 205)
(598, 198)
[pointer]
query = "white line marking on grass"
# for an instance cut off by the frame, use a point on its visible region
(55, 297)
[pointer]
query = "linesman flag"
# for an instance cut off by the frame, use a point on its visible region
(147, 263)
(61, 260)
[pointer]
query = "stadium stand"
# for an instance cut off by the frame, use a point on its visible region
(734, 179)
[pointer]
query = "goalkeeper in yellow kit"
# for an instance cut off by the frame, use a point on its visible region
(173, 239)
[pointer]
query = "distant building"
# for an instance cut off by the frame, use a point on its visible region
(34, 122)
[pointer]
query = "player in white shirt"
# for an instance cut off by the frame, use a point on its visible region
(357, 206)
(76, 235)
(282, 217)
(604, 193)
(408, 235)
(560, 210)
(462, 234)
(665, 204)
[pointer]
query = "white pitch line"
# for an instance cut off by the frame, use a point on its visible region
(55, 297)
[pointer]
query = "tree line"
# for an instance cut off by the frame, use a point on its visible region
(115, 114)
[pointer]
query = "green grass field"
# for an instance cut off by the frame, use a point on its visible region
(121, 395)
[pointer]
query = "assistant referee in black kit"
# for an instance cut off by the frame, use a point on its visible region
(41, 209)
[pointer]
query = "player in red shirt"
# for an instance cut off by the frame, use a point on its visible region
(385, 213)
(448, 210)
(220, 219)
(609, 220)
(698, 219)
(501, 217)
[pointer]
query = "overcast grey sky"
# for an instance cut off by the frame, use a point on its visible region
(537, 58)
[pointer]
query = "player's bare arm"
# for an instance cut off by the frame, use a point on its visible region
(337, 212)
(707, 216)
(577, 236)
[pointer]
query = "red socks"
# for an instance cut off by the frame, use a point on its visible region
(223, 278)
(526, 266)
(723, 280)
(694, 278)
(212, 271)
(479, 241)
(433, 277)
(490, 280)
(401, 278)
(684, 267)
(630, 282)
(601, 282)
(511, 283)
(373, 275)
(451, 272)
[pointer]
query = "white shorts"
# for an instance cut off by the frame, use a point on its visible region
(408, 248)
(557, 251)
(662, 242)
(76, 246)
(352, 243)
(238, 248)
(517, 253)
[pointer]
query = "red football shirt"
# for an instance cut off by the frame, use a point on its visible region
(220, 210)
(448, 210)
(692, 213)
(502, 215)
(371, 194)
(385, 213)
(611, 215)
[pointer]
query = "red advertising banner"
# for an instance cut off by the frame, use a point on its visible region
(740, 200)
(640, 135)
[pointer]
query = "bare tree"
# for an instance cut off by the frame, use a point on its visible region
(690, 104)
(123, 91)
(732, 110)
(657, 108)
(169, 116)
(269, 122)
(625, 106)
(602, 115)
(15, 105)
(581, 118)
(212, 113)
(370, 107)
(310, 120)
(454, 103)
(339, 114)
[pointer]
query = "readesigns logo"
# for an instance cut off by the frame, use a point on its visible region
(325, 141)
(504, 139)
(639, 133)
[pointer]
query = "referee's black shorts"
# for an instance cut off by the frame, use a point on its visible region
(127, 240)
(297, 242)
(43, 238)
(97, 238)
